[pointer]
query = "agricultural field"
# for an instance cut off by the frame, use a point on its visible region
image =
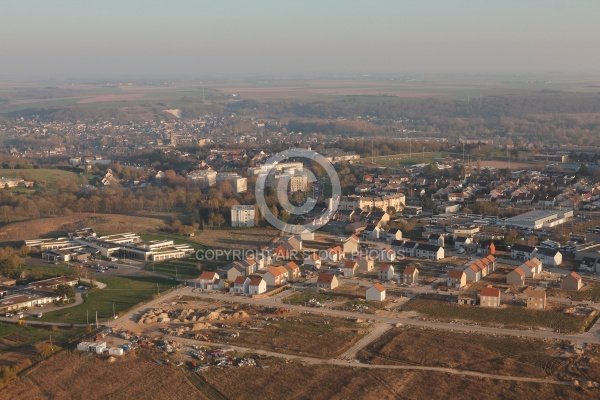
(509, 316)
(501, 354)
(123, 292)
(297, 381)
(70, 375)
(60, 226)
(250, 238)
(23, 345)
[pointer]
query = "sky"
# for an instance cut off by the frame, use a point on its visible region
(68, 39)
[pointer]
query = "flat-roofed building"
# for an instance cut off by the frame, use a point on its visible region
(243, 216)
(537, 219)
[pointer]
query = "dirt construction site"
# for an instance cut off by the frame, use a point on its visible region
(276, 329)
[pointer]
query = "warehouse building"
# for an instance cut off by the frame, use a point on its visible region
(538, 219)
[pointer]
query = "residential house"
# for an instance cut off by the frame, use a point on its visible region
(351, 244)
(409, 248)
(516, 277)
(387, 255)
(429, 251)
(327, 281)
(490, 265)
(410, 276)
(313, 260)
(366, 264)
(536, 298)
(240, 285)
(257, 285)
(393, 234)
(276, 276)
(532, 268)
(232, 271)
(456, 279)
(386, 272)
(396, 245)
(460, 242)
(376, 293)
(489, 297)
(473, 273)
(547, 256)
(372, 232)
(335, 254)
(350, 268)
(486, 247)
(284, 251)
(522, 252)
(207, 279)
(436, 239)
(295, 241)
(571, 281)
(293, 270)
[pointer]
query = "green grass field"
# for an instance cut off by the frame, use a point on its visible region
(122, 291)
(184, 268)
(508, 315)
(46, 271)
(47, 175)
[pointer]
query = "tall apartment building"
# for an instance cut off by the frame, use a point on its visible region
(203, 178)
(242, 216)
(238, 183)
(369, 202)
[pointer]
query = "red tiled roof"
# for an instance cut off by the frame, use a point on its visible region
(490, 292)
(455, 273)
(292, 265)
(277, 271)
(325, 278)
(410, 270)
(575, 275)
(209, 275)
(240, 280)
(379, 287)
(255, 280)
(385, 267)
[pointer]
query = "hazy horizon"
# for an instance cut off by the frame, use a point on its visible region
(65, 39)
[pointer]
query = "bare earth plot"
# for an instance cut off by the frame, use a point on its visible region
(503, 355)
(235, 238)
(79, 376)
(296, 381)
(60, 226)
